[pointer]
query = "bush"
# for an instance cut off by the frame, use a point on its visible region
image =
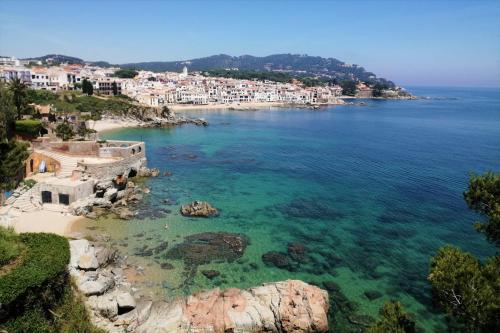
(29, 126)
(10, 245)
(64, 131)
(393, 319)
(47, 256)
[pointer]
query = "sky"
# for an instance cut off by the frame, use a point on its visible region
(425, 42)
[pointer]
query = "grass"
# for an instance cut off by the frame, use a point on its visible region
(36, 294)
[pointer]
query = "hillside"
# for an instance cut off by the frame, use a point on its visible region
(292, 64)
(298, 65)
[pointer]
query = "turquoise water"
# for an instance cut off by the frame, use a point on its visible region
(370, 191)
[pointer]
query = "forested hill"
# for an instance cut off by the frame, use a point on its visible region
(295, 64)
(291, 64)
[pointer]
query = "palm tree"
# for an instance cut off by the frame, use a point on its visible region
(18, 89)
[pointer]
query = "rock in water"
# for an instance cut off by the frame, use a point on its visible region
(203, 248)
(199, 209)
(284, 307)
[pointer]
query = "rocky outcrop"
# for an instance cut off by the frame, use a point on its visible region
(147, 172)
(199, 209)
(287, 306)
(111, 198)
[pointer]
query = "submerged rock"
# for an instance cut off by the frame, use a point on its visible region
(372, 294)
(199, 209)
(278, 259)
(206, 247)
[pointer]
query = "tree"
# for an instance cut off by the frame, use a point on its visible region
(7, 114)
(393, 319)
(483, 196)
(466, 289)
(126, 73)
(64, 131)
(378, 89)
(348, 87)
(18, 90)
(87, 87)
(114, 86)
(12, 154)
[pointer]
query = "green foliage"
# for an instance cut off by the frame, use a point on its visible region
(114, 86)
(393, 319)
(64, 131)
(47, 256)
(348, 87)
(7, 113)
(483, 196)
(466, 289)
(29, 126)
(265, 76)
(31, 321)
(18, 90)
(126, 73)
(87, 87)
(378, 89)
(12, 154)
(10, 245)
(37, 296)
(72, 315)
(28, 183)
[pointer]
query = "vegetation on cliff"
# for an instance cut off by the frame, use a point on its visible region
(36, 294)
(467, 289)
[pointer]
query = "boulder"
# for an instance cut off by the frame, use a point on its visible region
(105, 256)
(125, 302)
(199, 209)
(88, 261)
(107, 306)
(99, 286)
(77, 248)
(111, 194)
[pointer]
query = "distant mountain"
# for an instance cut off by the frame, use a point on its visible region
(58, 58)
(300, 65)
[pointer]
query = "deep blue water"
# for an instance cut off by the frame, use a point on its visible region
(370, 191)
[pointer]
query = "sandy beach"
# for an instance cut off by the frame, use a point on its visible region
(108, 124)
(40, 221)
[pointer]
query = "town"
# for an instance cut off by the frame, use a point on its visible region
(171, 88)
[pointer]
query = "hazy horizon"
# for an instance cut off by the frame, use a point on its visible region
(449, 43)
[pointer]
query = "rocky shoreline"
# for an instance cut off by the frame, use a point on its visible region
(116, 305)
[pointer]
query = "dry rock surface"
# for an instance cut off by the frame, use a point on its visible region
(199, 209)
(287, 306)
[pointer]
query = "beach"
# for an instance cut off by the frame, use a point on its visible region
(108, 124)
(40, 221)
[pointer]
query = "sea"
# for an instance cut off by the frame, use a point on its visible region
(355, 199)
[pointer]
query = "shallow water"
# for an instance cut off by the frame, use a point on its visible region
(370, 191)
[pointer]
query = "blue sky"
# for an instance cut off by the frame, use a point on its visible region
(411, 42)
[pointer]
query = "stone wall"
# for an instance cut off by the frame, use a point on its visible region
(122, 149)
(75, 148)
(108, 171)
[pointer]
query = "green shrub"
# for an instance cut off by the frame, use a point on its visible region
(393, 319)
(28, 126)
(47, 256)
(28, 183)
(10, 245)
